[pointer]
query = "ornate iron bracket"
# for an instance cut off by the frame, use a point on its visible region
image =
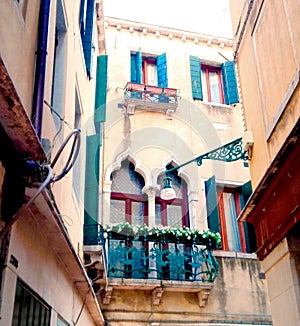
(229, 152)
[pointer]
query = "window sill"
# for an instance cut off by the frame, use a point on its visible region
(234, 254)
(216, 105)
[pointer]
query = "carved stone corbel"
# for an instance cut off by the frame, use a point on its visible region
(157, 295)
(203, 297)
(107, 295)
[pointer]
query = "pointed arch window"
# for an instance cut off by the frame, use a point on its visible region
(128, 203)
(173, 212)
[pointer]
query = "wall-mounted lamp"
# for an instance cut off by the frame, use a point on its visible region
(229, 152)
(168, 192)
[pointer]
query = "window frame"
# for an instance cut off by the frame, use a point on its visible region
(43, 310)
(221, 210)
(129, 199)
(145, 62)
(207, 69)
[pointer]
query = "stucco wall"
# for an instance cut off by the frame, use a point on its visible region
(74, 80)
(238, 296)
(41, 269)
(18, 45)
(152, 139)
(268, 61)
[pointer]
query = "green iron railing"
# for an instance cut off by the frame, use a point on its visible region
(148, 257)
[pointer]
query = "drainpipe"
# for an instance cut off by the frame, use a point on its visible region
(41, 55)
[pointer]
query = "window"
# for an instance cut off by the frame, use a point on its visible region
(213, 84)
(128, 203)
(86, 21)
(231, 229)
(223, 207)
(59, 66)
(149, 70)
(174, 212)
(29, 308)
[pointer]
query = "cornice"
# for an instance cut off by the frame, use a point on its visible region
(167, 32)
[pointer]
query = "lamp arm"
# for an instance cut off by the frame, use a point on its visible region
(229, 152)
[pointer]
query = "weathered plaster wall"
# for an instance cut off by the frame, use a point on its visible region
(49, 279)
(238, 296)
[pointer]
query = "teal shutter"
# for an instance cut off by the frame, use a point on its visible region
(101, 85)
(212, 205)
(91, 195)
(162, 75)
(88, 35)
(136, 67)
(229, 83)
(133, 77)
(82, 17)
(138, 63)
(246, 191)
(195, 68)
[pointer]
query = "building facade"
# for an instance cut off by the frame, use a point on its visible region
(267, 57)
(172, 96)
(48, 63)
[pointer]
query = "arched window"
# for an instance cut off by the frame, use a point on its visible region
(172, 212)
(127, 200)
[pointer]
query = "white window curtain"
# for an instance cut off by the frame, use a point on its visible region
(234, 243)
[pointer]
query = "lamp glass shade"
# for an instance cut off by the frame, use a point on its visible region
(167, 193)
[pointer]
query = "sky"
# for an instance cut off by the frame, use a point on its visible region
(203, 16)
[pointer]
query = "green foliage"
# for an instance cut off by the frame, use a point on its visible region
(161, 233)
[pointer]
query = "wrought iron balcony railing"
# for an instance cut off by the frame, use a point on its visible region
(140, 96)
(149, 257)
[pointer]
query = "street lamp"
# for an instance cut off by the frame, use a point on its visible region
(229, 152)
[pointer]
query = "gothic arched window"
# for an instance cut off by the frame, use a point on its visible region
(127, 200)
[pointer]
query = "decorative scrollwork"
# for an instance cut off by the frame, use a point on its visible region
(229, 152)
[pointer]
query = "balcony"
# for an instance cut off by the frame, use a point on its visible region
(150, 98)
(156, 262)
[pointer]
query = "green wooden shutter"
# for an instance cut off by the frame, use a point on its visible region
(88, 35)
(101, 85)
(162, 74)
(139, 63)
(82, 17)
(212, 205)
(195, 68)
(246, 191)
(91, 195)
(133, 77)
(229, 83)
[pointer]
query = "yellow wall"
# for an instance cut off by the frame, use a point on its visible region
(18, 45)
(151, 140)
(268, 64)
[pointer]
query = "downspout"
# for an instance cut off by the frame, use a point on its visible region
(40, 71)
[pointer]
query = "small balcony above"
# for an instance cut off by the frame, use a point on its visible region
(150, 98)
(157, 263)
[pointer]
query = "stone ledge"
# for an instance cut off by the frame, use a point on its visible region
(158, 287)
